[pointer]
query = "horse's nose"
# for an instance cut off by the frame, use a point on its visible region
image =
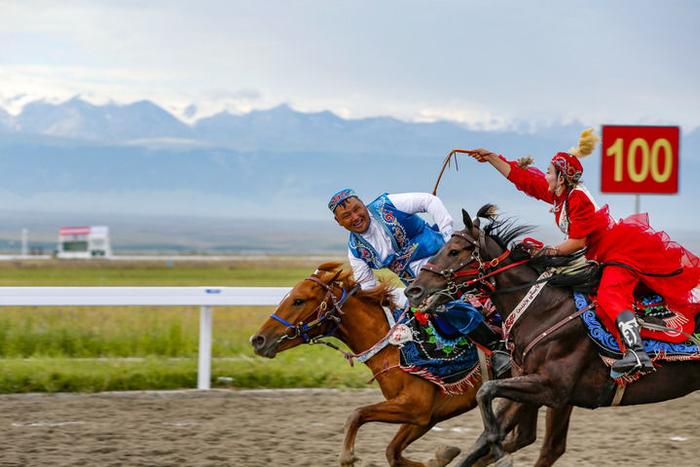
(414, 293)
(258, 342)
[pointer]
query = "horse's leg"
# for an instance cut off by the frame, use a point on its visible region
(530, 389)
(522, 430)
(512, 416)
(406, 435)
(415, 411)
(554, 444)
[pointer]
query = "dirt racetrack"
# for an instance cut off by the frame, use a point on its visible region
(299, 428)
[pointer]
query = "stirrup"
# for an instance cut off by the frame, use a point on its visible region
(643, 367)
(504, 368)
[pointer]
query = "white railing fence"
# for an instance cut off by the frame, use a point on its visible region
(204, 297)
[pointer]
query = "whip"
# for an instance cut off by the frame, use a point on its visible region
(448, 162)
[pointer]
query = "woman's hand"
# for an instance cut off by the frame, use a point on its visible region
(547, 251)
(484, 155)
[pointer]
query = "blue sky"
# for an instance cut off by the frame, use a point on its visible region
(487, 64)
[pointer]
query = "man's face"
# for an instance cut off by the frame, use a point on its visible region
(353, 215)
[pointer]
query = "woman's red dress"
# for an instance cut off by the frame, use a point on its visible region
(631, 241)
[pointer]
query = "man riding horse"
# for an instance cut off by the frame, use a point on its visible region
(388, 233)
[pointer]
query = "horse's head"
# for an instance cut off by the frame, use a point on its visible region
(455, 269)
(310, 310)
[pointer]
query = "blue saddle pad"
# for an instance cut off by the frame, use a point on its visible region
(451, 363)
(608, 346)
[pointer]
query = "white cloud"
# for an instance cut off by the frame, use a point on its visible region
(487, 66)
(468, 114)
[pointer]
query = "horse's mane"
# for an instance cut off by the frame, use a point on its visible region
(573, 271)
(333, 271)
(505, 231)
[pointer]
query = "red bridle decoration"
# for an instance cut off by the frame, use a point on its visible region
(481, 271)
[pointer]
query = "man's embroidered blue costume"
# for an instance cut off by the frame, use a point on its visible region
(412, 239)
(400, 240)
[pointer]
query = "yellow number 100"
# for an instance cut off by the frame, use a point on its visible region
(650, 160)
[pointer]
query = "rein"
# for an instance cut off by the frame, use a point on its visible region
(526, 285)
(324, 314)
(482, 271)
(334, 314)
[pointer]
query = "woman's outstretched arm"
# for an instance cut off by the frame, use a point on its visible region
(484, 155)
(528, 180)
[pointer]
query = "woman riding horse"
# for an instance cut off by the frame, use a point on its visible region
(640, 254)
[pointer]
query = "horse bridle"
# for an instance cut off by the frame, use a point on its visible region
(323, 312)
(483, 270)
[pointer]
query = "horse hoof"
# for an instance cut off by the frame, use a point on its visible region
(505, 461)
(348, 460)
(443, 456)
(484, 461)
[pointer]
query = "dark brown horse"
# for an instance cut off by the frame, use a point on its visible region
(562, 368)
(316, 306)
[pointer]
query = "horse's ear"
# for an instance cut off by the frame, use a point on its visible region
(335, 276)
(466, 218)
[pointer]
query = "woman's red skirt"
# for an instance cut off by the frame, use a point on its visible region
(634, 242)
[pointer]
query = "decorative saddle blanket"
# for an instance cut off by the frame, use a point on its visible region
(650, 306)
(451, 362)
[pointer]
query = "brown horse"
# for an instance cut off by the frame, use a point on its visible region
(322, 306)
(558, 365)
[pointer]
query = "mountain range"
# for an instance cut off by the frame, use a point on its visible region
(139, 160)
(280, 128)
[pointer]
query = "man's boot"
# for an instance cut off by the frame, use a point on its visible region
(635, 358)
(500, 357)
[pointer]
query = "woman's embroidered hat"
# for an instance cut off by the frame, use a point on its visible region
(568, 163)
(339, 197)
(569, 166)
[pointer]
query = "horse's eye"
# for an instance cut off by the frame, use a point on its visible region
(298, 301)
(453, 252)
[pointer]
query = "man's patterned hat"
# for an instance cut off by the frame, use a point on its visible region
(339, 197)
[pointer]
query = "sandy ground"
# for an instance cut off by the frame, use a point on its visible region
(299, 428)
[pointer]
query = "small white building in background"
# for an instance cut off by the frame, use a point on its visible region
(84, 242)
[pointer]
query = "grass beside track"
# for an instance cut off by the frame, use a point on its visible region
(305, 369)
(267, 272)
(119, 348)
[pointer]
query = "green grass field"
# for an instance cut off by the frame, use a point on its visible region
(117, 348)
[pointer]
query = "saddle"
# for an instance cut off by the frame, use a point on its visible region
(650, 308)
(583, 276)
(437, 354)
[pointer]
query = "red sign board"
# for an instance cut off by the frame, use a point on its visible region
(640, 159)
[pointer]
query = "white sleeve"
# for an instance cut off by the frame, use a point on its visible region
(413, 203)
(362, 273)
(399, 298)
(366, 278)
